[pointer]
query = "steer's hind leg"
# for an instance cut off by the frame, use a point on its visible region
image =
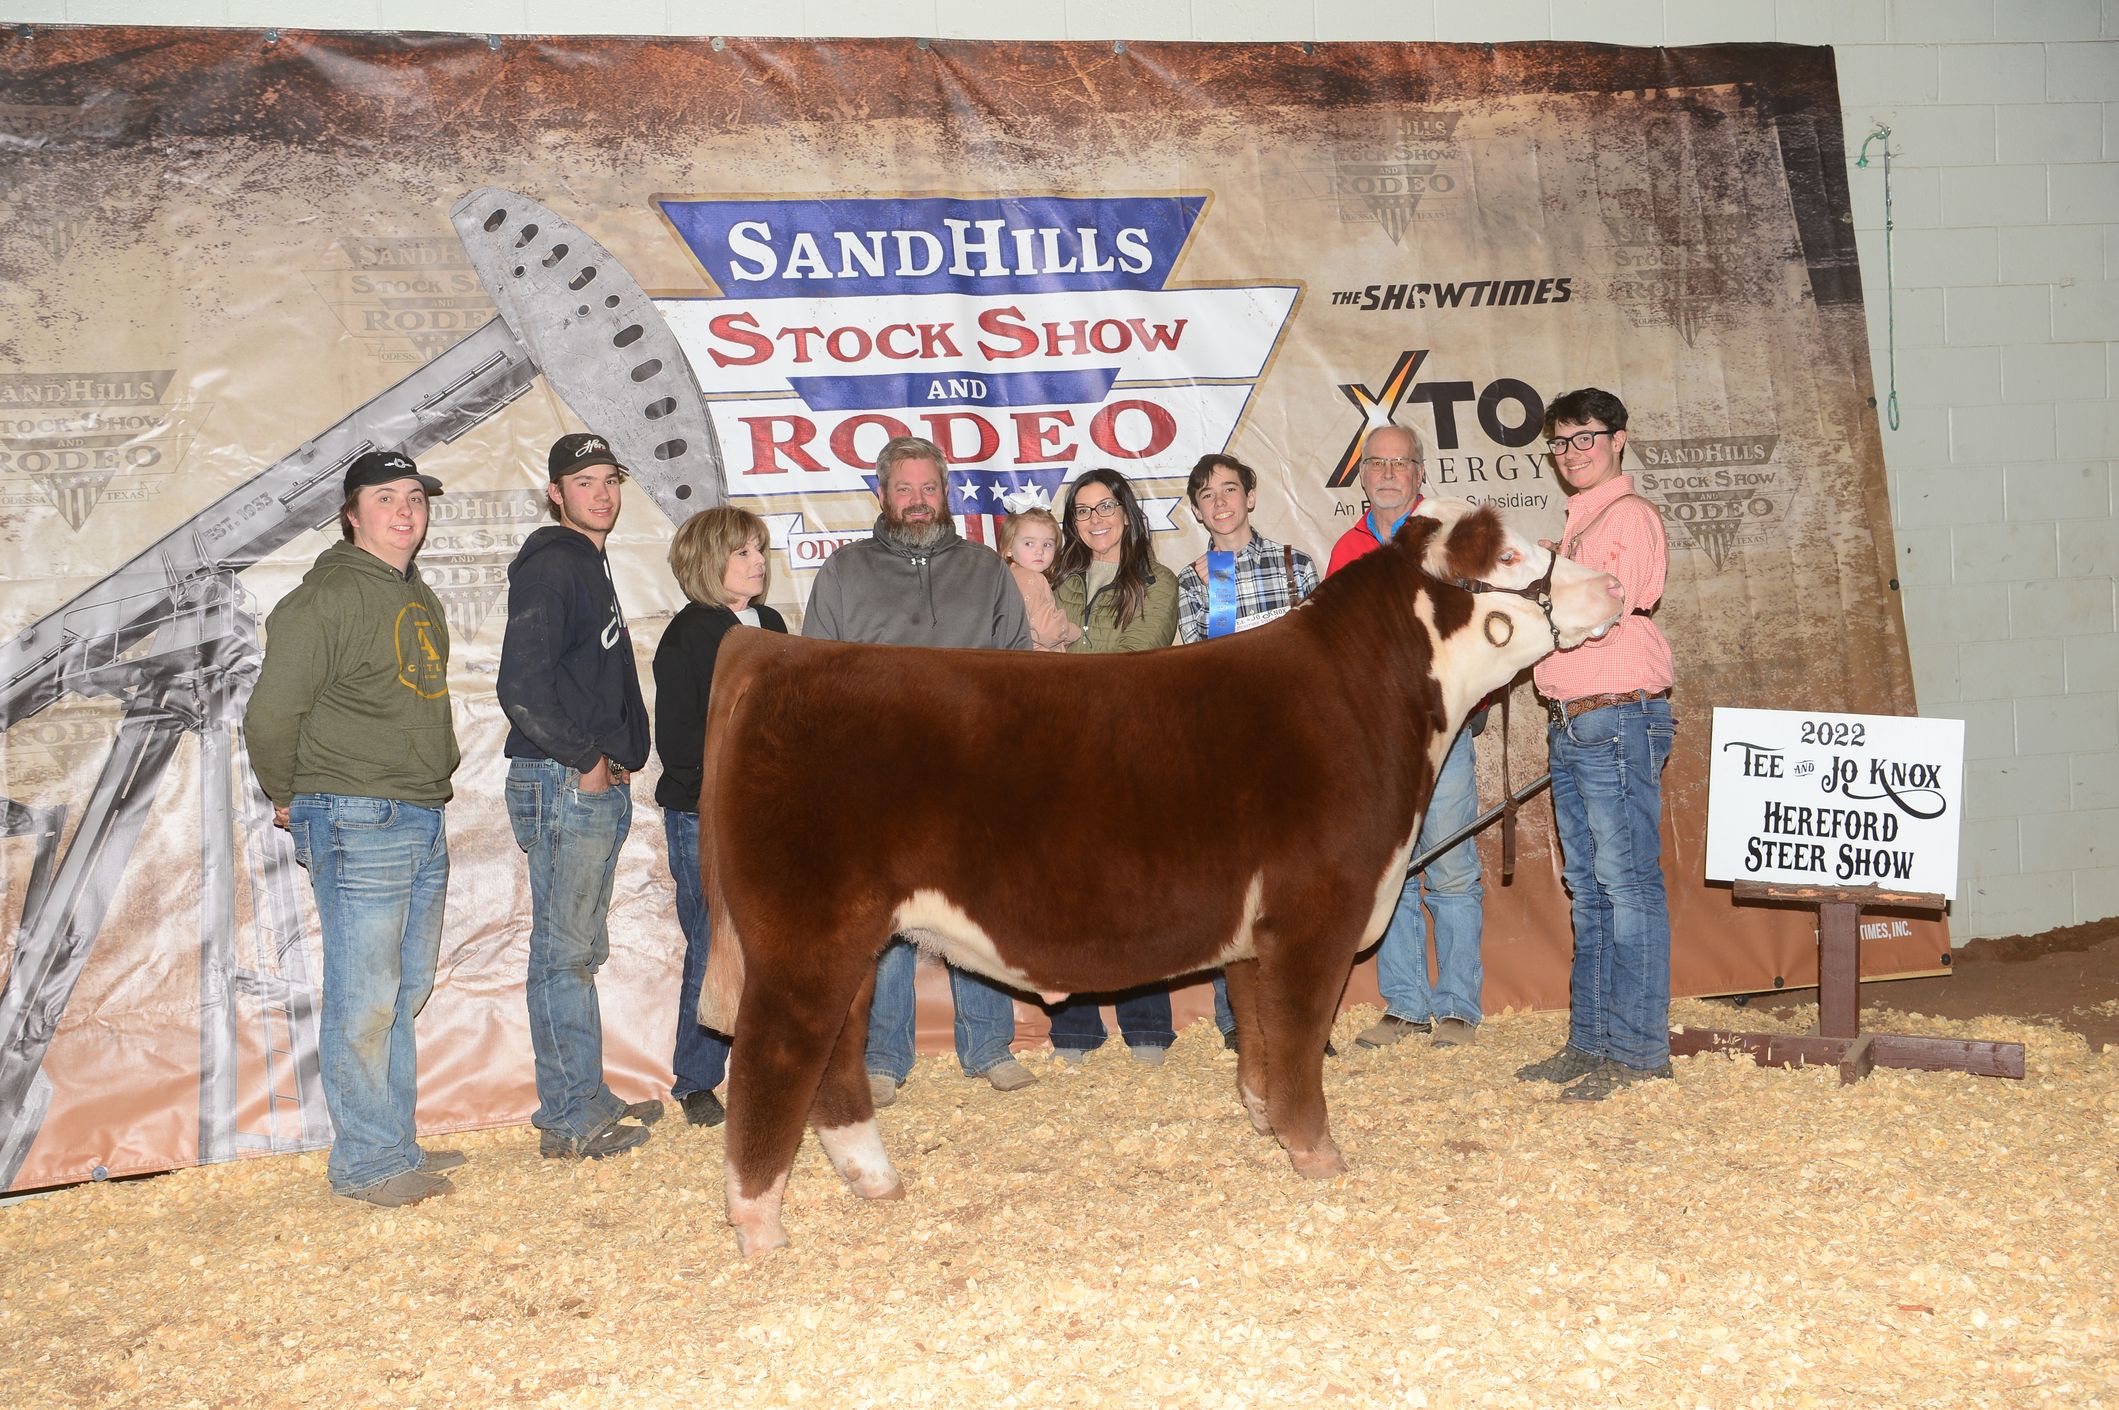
(845, 1113)
(1300, 980)
(789, 1026)
(1251, 1049)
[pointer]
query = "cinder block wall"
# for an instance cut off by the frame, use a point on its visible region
(2005, 122)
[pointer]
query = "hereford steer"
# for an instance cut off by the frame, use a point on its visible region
(1086, 823)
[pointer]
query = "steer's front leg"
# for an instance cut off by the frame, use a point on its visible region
(1299, 982)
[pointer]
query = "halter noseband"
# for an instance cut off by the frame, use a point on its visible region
(1539, 592)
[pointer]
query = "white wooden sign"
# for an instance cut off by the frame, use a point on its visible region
(1806, 798)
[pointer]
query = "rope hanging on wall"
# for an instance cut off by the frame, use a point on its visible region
(1890, 281)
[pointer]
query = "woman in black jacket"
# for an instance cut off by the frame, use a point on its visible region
(719, 559)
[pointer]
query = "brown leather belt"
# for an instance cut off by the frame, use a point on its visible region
(1583, 704)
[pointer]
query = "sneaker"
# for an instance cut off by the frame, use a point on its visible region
(1455, 1033)
(1148, 1054)
(1387, 1030)
(646, 1113)
(1008, 1075)
(433, 1162)
(702, 1108)
(405, 1187)
(612, 1139)
(882, 1090)
(1608, 1077)
(1563, 1066)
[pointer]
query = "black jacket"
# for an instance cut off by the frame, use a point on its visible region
(684, 681)
(568, 681)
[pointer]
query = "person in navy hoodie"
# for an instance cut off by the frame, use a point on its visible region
(578, 727)
(719, 560)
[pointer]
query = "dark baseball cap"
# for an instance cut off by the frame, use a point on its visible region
(578, 452)
(382, 467)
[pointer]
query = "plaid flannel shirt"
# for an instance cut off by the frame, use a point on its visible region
(1261, 588)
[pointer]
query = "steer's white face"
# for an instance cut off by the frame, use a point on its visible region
(1585, 603)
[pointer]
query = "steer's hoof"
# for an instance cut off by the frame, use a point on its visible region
(878, 1189)
(1321, 1164)
(752, 1242)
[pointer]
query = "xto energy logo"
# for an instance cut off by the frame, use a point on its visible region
(1508, 412)
(1028, 337)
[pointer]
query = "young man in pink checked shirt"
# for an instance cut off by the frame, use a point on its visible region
(1609, 738)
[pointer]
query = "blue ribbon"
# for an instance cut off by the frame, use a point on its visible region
(1221, 593)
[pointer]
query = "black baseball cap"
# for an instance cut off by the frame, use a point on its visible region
(382, 467)
(579, 451)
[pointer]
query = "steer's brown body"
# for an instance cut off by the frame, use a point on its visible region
(1083, 823)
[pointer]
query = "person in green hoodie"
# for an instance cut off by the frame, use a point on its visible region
(350, 734)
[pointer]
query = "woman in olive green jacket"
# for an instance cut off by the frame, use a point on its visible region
(1123, 600)
(1110, 584)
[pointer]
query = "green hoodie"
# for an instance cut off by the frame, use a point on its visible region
(354, 694)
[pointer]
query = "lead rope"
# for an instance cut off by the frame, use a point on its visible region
(1508, 801)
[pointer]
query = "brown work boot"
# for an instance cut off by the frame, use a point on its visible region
(1389, 1029)
(882, 1090)
(1455, 1033)
(1008, 1075)
(405, 1187)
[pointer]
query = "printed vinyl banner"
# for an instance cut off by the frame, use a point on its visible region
(233, 259)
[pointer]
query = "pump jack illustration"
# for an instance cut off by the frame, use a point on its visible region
(168, 637)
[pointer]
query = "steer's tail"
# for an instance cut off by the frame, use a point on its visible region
(721, 992)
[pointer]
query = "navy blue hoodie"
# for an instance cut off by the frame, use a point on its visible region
(568, 680)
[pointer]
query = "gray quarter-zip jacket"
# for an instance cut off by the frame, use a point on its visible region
(954, 593)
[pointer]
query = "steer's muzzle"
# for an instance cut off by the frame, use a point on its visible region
(1585, 604)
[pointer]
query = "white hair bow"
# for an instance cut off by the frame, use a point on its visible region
(1026, 497)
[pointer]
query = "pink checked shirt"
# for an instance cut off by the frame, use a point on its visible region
(1629, 545)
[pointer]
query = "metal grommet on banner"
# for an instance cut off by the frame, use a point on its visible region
(493, 42)
(718, 43)
(272, 37)
(925, 44)
(1118, 46)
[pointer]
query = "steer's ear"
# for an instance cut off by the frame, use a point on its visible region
(1416, 539)
(1474, 543)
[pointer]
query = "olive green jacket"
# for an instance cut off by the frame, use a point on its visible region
(1156, 624)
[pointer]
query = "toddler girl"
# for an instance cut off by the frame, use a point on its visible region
(1030, 541)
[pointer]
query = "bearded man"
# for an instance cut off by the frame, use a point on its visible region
(917, 582)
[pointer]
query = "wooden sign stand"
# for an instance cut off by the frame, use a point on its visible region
(1839, 1038)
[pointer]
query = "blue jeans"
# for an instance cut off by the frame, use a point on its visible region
(1224, 1016)
(380, 870)
(572, 839)
(1454, 895)
(1607, 796)
(985, 1017)
(1143, 1017)
(701, 1057)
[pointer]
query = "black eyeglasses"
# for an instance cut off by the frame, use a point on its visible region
(1103, 510)
(1580, 440)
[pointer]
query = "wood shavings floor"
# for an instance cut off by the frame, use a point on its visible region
(1739, 1237)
